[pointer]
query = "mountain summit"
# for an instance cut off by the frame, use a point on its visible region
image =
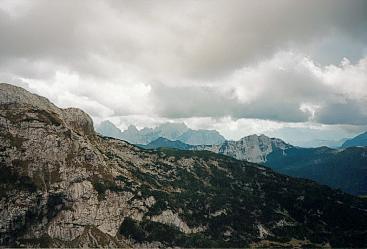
(63, 185)
(252, 148)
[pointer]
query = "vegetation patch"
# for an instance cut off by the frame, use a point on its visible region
(10, 180)
(102, 185)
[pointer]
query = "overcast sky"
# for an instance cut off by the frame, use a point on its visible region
(240, 67)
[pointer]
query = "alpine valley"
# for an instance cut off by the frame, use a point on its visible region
(63, 185)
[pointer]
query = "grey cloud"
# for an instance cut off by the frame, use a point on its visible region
(288, 88)
(178, 39)
(351, 112)
(184, 102)
(184, 45)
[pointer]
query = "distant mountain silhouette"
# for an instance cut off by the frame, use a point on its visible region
(360, 140)
(171, 131)
(162, 142)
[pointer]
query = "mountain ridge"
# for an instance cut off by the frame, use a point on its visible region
(171, 131)
(359, 140)
(344, 168)
(162, 142)
(338, 168)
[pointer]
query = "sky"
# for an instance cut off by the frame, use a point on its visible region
(293, 69)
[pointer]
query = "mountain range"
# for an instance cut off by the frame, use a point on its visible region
(171, 131)
(344, 168)
(63, 185)
(339, 168)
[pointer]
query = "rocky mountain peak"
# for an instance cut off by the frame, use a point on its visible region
(255, 138)
(107, 128)
(253, 148)
(261, 140)
(107, 123)
(17, 96)
(132, 128)
(79, 121)
(74, 118)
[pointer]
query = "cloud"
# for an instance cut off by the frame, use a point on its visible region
(288, 87)
(169, 40)
(279, 60)
(99, 99)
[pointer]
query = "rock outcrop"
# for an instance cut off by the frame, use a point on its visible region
(62, 185)
(252, 148)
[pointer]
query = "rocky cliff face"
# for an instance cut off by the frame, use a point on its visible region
(61, 185)
(251, 148)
